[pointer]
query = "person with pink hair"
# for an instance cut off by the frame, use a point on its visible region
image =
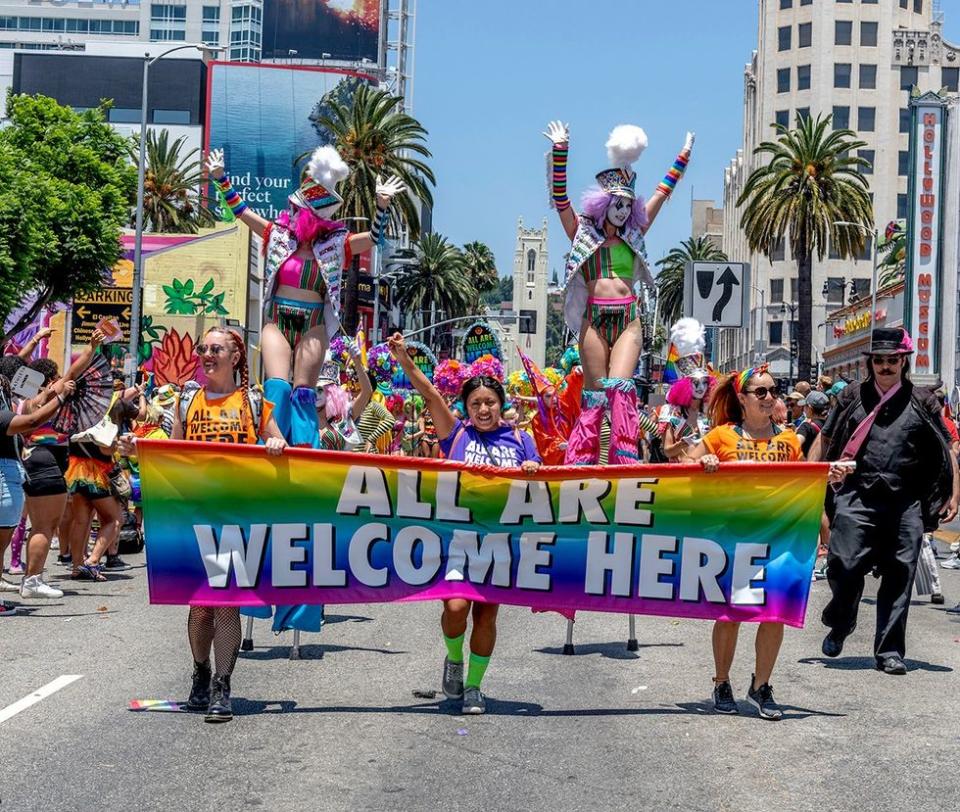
(683, 420)
(605, 271)
(305, 254)
(337, 412)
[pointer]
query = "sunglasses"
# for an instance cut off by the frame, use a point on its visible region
(214, 349)
(761, 392)
(885, 360)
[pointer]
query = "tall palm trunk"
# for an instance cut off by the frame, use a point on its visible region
(804, 316)
(351, 298)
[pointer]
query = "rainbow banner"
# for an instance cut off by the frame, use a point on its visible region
(228, 525)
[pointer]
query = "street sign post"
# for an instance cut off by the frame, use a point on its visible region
(717, 294)
(105, 303)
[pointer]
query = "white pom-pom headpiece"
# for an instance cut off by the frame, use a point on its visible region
(625, 145)
(688, 336)
(326, 167)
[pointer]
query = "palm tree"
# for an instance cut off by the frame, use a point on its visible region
(670, 279)
(172, 198)
(481, 267)
(375, 137)
(810, 184)
(437, 283)
(893, 248)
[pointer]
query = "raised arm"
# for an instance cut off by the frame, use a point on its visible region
(366, 387)
(218, 171)
(669, 182)
(443, 419)
(41, 414)
(558, 134)
(31, 345)
(85, 357)
(387, 190)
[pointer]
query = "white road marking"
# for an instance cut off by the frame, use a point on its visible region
(38, 695)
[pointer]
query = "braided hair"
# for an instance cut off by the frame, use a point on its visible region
(240, 371)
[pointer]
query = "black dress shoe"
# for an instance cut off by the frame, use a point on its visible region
(891, 665)
(936, 597)
(832, 644)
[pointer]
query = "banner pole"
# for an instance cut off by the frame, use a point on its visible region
(632, 644)
(568, 645)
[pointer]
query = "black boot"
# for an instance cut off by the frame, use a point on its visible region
(219, 710)
(200, 690)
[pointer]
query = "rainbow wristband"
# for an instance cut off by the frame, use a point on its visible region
(232, 197)
(674, 173)
(379, 226)
(559, 178)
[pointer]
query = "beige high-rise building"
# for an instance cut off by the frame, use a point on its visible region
(857, 61)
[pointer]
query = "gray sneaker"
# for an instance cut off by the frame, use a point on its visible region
(473, 702)
(452, 679)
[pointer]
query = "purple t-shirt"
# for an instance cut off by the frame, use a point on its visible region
(504, 447)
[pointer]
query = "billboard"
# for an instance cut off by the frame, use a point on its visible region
(924, 254)
(259, 115)
(346, 30)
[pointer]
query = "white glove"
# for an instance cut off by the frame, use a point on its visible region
(215, 165)
(353, 349)
(688, 144)
(558, 132)
(388, 189)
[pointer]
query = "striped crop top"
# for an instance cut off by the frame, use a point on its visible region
(610, 261)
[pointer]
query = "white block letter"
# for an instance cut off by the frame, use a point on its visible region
(408, 503)
(745, 571)
(702, 563)
(585, 495)
(359, 554)
(629, 495)
(364, 488)
(652, 566)
(325, 572)
(619, 563)
(464, 553)
(531, 557)
(403, 545)
(284, 554)
(448, 488)
(527, 499)
(246, 558)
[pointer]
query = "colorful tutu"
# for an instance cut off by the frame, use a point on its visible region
(89, 477)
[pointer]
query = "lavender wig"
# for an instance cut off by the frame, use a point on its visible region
(596, 201)
(681, 393)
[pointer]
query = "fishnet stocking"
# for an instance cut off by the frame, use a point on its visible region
(217, 626)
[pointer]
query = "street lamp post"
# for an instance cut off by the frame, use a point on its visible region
(793, 318)
(137, 293)
(761, 319)
(873, 281)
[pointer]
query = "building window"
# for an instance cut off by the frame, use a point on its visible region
(833, 253)
(784, 33)
(783, 80)
(904, 3)
(868, 155)
(904, 119)
(806, 2)
(166, 11)
(859, 288)
(776, 291)
(843, 32)
(841, 118)
(803, 77)
(803, 113)
(867, 251)
(794, 281)
(902, 209)
(171, 117)
(779, 251)
(868, 77)
(950, 79)
(909, 75)
(785, 4)
(866, 119)
(776, 332)
(918, 6)
(903, 162)
(163, 35)
(211, 14)
(841, 74)
(782, 117)
(844, 1)
(531, 261)
(868, 34)
(123, 115)
(835, 289)
(804, 34)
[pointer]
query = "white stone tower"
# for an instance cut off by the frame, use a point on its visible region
(530, 292)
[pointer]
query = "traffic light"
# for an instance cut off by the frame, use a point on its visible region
(794, 347)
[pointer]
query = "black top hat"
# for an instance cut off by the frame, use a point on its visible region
(890, 340)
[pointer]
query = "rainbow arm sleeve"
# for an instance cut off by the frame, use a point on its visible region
(231, 196)
(558, 177)
(674, 173)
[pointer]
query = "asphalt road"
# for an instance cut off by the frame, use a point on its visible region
(342, 730)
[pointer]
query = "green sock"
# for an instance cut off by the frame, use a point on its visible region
(454, 648)
(476, 670)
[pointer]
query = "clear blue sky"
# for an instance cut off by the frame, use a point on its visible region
(491, 74)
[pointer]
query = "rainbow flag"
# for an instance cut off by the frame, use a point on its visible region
(229, 525)
(670, 372)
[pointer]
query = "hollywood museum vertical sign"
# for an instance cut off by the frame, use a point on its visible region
(924, 272)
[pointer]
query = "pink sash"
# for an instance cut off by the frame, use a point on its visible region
(852, 448)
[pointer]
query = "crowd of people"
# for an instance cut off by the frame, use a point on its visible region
(892, 446)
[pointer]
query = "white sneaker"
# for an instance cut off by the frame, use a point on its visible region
(951, 563)
(955, 547)
(6, 586)
(34, 587)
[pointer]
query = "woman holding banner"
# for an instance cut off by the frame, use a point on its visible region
(741, 411)
(482, 440)
(306, 254)
(606, 265)
(225, 412)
